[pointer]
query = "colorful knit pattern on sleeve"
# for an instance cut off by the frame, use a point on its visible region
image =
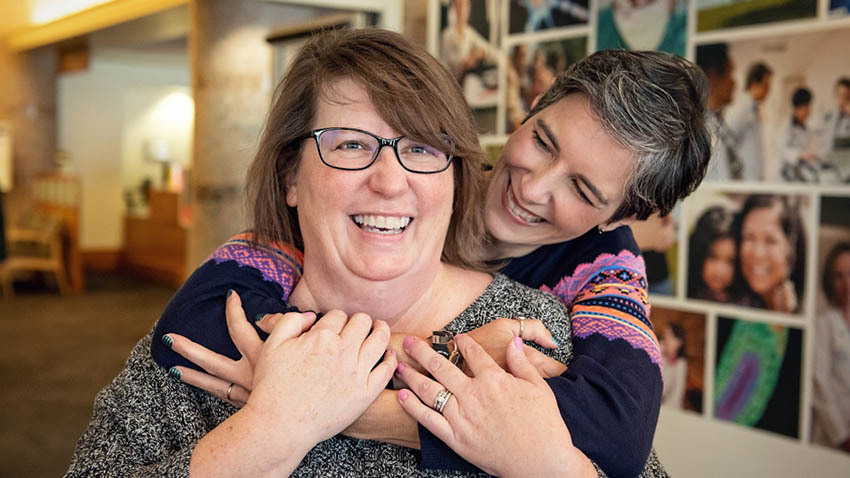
(279, 263)
(610, 395)
(263, 275)
(609, 297)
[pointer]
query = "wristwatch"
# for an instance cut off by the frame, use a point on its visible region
(440, 343)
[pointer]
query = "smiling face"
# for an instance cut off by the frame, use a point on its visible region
(559, 176)
(765, 250)
(718, 270)
(375, 224)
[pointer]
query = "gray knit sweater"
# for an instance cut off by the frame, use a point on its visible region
(146, 423)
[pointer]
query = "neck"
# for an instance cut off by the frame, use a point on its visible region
(416, 303)
(499, 250)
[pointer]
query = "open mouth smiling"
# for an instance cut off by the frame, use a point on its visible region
(390, 225)
(518, 211)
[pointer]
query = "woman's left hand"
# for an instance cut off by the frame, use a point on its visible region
(507, 424)
(228, 379)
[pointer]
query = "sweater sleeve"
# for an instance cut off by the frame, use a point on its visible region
(263, 275)
(145, 423)
(610, 395)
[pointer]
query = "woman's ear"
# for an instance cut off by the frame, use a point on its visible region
(291, 190)
(614, 225)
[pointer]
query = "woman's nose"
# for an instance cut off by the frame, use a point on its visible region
(388, 177)
(535, 187)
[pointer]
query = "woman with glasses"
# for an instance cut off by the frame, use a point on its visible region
(592, 280)
(634, 143)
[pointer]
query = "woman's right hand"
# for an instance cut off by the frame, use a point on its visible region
(323, 378)
(307, 387)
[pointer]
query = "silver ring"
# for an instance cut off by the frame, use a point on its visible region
(442, 399)
(229, 389)
(521, 325)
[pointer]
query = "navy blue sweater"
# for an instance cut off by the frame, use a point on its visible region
(609, 397)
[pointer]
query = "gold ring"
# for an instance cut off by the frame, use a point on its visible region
(521, 325)
(229, 389)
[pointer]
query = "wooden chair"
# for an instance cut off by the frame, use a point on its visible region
(45, 237)
(35, 245)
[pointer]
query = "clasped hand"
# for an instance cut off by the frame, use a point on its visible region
(315, 376)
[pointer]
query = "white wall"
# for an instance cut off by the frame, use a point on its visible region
(692, 446)
(102, 114)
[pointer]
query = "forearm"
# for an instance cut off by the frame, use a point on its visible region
(245, 445)
(566, 461)
(387, 422)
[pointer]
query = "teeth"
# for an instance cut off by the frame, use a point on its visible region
(519, 212)
(382, 224)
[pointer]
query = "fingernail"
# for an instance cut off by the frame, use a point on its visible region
(309, 313)
(229, 292)
(556, 342)
(401, 366)
(259, 317)
(407, 341)
(518, 342)
(174, 373)
(167, 340)
(403, 394)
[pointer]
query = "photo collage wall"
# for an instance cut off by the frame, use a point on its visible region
(750, 276)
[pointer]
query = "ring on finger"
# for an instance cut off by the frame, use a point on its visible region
(230, 389)
(441, 400)
(521, 321)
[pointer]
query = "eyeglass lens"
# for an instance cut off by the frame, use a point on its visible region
(348, 149)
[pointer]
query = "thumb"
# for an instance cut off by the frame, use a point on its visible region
(518, 364)
(289, 326)
(268, 322)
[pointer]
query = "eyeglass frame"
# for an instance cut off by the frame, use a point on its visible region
(392, 142)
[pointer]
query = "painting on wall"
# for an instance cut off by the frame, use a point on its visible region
(757, 375)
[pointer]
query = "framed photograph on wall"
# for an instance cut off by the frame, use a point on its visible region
(831, 369)
(716, 14)
(469, 47)
(527, 16)
(531, 68)
(748, 249)
(648, 25)
(681, 336)
(786, 116)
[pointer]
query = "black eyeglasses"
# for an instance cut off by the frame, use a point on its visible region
(353, 149)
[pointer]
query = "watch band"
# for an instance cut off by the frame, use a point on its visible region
(440, 342)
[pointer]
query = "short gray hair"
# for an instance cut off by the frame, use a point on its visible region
(654, 105)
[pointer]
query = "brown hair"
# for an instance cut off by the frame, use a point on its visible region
(409, 89)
